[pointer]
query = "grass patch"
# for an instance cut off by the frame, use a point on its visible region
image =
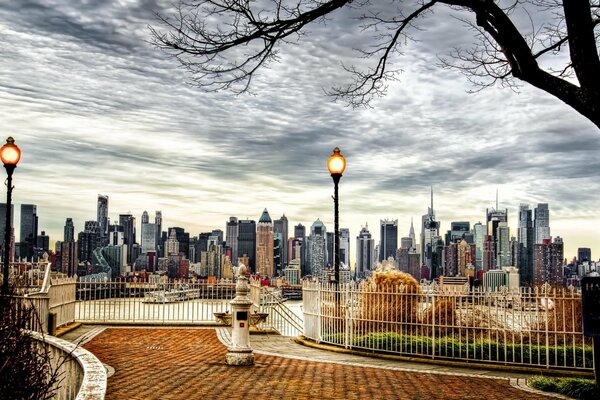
(583, 389)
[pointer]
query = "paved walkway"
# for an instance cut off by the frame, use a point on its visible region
(189, 363)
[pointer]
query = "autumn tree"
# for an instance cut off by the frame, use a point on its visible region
(224, 43)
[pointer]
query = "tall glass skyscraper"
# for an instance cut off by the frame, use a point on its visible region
(542, 223)
(102, 214)
(526, 242)
(388, 239)
(247, 242)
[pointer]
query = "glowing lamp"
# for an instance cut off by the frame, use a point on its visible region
(10, 153)
(336, 162)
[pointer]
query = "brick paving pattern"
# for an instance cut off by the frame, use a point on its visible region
(190, 364)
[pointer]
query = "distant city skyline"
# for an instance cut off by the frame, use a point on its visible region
(56, 234)
(96, 109)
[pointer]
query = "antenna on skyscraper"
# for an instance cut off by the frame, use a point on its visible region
(496, 199)
(432, 198)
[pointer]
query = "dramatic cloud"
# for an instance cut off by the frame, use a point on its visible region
(96, 109)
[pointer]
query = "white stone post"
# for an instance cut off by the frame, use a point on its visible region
(240, 352)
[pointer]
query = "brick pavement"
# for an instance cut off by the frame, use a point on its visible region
(169, 363)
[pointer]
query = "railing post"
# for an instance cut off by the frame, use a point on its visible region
(433, 325)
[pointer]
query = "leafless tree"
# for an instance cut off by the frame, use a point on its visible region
(223, 43)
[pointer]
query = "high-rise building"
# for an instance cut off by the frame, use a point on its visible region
(127, 221)
(231, 238)
(3, 220)
(465, 253)
(281, 226)
(409, 261)
(183, 238)
(479, 233)
(430, 232)
(317, 250)
(171, 244)
(388, 239)
(29, 229)
(69, 230)
(364, 253)
(300, 240)
(43, 242)
(541, 223)
(458, 231)
(247, 242)
(345, 246)
(525, 237)
(158, 229)
(495, 216)
(102, 215)
(411, 235)
(69, 260)
(584, 254)
(503, 250)
(264, 245)
(548, 262)
(148, 235)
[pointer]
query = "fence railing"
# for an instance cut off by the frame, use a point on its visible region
(280, 317)
(142, 302)
(538, 327)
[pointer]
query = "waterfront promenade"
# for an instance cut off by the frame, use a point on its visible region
(189, 363)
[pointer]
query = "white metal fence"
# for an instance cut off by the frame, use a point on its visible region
(535, 327)
(142, 302)
(281, 318)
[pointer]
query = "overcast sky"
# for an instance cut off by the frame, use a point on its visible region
(96, 109)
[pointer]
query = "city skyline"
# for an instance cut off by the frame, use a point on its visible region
(95, 109)
(373, 226)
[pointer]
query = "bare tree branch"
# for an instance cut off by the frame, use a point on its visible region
(224, 43)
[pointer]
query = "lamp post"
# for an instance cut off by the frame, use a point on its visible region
(336, 165)
(10, 155)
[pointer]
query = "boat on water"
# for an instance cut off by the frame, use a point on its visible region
(171, 296)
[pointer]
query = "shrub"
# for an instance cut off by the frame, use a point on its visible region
(583, 389)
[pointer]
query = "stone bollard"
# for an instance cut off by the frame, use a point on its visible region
(240, 352)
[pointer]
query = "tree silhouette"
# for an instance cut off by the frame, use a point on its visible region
(223, 43)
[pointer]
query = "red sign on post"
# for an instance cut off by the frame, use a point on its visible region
(241, 324)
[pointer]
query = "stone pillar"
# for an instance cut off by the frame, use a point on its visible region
(240, 352)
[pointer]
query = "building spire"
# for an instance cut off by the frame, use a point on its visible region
(432, 198)
(496, 199)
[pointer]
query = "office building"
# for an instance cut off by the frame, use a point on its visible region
(264, 245)
(231, 238)
(388, 239)
(548, 262)
(526, 239)
(364, 253)
(280, 226)
(102, 215)
(541, 223)
(127, 221)
(247, 242)
(317, 249)
(29, 230)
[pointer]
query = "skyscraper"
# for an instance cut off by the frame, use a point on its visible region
(300, 239)
(183, 238)
(29, 229)
(494, 217)
(584, 254)
(364, 253)
(542, 223)
(479, 232)
(3, 222)
(127, 221)
(430, 232)
(231, 238)
(411, 235)
(264, 245)
(281, 226)
(158, 229)
(317, 250)
(345, 246)
(148, 235)
(525, 236)
(69, 235)
(247, 242)
(503, 255)
(102, 215)
(548, 262)
(388, 239)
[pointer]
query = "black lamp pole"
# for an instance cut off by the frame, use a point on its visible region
(9, 170)
(336, 250)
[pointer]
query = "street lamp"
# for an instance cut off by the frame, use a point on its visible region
(10, 155)
(336, 165)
